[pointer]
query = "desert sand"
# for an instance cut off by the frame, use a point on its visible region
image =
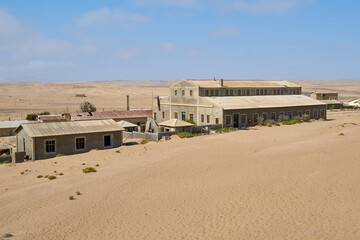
(286, 182)
(19, 99)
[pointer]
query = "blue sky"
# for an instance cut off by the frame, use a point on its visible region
(48, 41)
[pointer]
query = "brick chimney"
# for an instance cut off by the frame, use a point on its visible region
(221, 82)
(127, 103)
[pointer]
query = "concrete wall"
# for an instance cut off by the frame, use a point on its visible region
(21, 138)
(6, 132)
(324, 96)
(148, 136)
(66, 144)
(315, 112)
(133, 120)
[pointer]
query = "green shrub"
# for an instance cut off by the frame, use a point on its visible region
(305, 118)
(22, 173)
(31, 117)
(296, 118)
(59, 155)
(341, 134)
(51, 177)
(78, 193)
(5, 162)
(144, 141)
(83, 164)
(61, 174)
(291, 122)
(89, 170)
(191, 121)
(261, 121)
(269, 125)
(117, 151)
(71, 197)
(277, 124)
(40, 176)
(97, 165)
(283, 118)
(270, 121)
(185, 135)
(226, 129)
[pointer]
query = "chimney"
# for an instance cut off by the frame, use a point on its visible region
(127, 103)
(221, 82)
(214, 79)
(67, 117)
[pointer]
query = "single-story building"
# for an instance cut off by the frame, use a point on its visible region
(176, 125)
(354, 103)
(46, 140)
(51, 118)
(128, 126)
(137, 117)
(7, 127)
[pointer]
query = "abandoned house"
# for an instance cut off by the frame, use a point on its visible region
(234, 103)
(7, 128)
(329, 97)
(46, 140)
(176, 125)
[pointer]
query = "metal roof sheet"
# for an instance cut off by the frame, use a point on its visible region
(111, 115)
(125, 124)
(48, 129)
(175, 123)
(268, 101)
(12, 124)
(243, 83)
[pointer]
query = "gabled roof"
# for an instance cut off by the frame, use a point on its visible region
(241, 83)
(48, 129)
(175, 123)
(126, 124)
(111, 115)
(12, 124)
(268, 101)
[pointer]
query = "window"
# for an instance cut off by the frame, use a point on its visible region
(50, 146)
(307, 112)
(265, 91)
(155, 116)
(297, 91)
(216, 92)
(183, 92)
(282, 91)
(239, 92)
(290, 92)
(261, 92)
(316, 114)
(107, 141)
(228, 120)
(322, 113)
(175, 92)
(300, 113)
(211, 92)
(191, 92)
(183, 116)
(163, 114)
(202, 118)
(255, 117)
(231, 92)
(226, 92)
(79, 143)
(257, 91)
(191, 117)
(273, 116)
(206, 92)
(265, 115)
(216, 120)
(176, 115)
(290, 114)
(247, 92)
(208, 118)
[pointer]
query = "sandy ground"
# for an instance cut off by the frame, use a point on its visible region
(19, 99)
(287, 182)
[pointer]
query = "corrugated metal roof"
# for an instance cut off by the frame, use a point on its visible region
(112, 115)
(175, 123)
(12, 124)
(268, 101)
(331, 101)
(125, 124)
(243, 83)
(42, 129)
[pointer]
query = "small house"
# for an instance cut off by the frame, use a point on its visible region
(45, 140)
(176, 125)
(128, 126)
(7, 127)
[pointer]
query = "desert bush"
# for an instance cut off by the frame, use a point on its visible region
(40, 176)
(117, 151)
(32, 117)
(321, 119)
(5, 162)
(51, 177)
(305, 118)
(270, 121)
(22, 173)
(291, 122)
(296, 118)
(269, 125)
(71, 197)
(277, 124)
(97, 165)
(283, 118)
(261, 121)
(83, 164)
(60, 155)
(78, 193)
(226, 129)
(185, 135)
(144, 141)
(341, 134)
(61, 174)
(89, 170)
(87, 107)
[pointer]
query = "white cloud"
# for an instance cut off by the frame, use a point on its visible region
(226, 31)
(107, 16)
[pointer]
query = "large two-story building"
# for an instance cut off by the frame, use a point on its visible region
(234, 103)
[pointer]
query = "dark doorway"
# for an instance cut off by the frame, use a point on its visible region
(236, 120)
(107, 141)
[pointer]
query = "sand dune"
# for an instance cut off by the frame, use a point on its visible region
(287, 182)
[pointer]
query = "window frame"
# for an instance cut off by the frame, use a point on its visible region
(80, 137)
(111, 140)
(55, 146)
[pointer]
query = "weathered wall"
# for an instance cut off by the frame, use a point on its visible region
(250, 91)
(6, 132)
(20, 137)
(66, 144)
